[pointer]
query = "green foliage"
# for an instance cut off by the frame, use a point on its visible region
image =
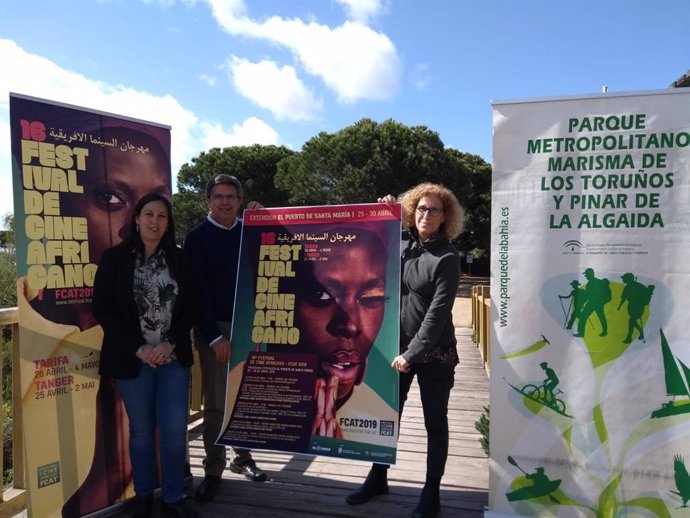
(6, 358)
(8, 298)
(477, 253)
(8, 276)
(7, 235)
(255, 166)
(7, 442)
(366, 160)
(354, 165)
(482, 426)
(361, 162)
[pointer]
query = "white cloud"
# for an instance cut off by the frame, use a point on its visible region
(352, 59)
(361, 10)
(170, 3)
(36, 76)
(275, 88)
(248, 132)
(209, 80)
(420, 76)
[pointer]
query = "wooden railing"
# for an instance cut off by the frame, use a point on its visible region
(13, 496)
(481, 322)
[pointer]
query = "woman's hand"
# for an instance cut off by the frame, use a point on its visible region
(162, 353)
(155, 355)
(400, 364)
(325, 421)
(145, 354)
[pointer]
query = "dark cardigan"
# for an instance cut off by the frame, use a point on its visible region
(115, 309)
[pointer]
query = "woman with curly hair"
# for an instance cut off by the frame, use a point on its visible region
(430, 277)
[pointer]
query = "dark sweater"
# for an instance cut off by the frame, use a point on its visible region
(430, 278)
(214, 255)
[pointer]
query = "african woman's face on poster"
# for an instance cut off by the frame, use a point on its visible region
(109, 199)
(342, 308)
(118, 173)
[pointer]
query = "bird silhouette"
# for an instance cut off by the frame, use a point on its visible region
(682, 480)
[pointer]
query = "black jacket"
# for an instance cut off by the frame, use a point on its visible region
(430, 278)
(115, 309)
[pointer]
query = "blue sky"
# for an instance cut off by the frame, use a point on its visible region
(234, 72)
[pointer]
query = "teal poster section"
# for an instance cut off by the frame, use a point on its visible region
(315, 329)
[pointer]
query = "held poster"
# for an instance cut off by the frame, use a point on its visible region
(590, 395)
(76, 177)
(315, 329)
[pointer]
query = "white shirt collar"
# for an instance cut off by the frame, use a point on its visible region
(214, 222)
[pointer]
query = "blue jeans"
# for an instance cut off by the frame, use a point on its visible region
(158, 399)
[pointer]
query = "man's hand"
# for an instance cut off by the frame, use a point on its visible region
(388, 198)
(253, 205)
(222, 349)
(325, 421)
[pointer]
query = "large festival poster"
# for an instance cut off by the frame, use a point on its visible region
(590, 402)
(315, 329)
(76, 175)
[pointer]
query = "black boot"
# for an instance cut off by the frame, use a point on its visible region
(143, 506)
(375, 484)
(429, 502)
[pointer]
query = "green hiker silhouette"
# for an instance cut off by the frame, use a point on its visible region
(597, 295)
(638, 297)
(578, 298)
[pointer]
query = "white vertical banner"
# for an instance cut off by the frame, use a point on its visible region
(590, 294)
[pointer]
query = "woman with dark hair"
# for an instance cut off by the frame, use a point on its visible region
(430, 278)
(144, 300)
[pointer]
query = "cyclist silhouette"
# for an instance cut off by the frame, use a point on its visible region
(551, 381)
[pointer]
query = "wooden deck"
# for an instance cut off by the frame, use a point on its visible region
(305, 486)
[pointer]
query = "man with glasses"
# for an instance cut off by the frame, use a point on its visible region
(213, 247)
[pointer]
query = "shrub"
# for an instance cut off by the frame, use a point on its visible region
(8, 299)
(482, 426)
(8, 276)
(7, 442)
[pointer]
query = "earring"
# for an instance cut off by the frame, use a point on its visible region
(137, 228)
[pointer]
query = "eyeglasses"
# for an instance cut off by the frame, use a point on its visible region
(432, 211)
(225, 197)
